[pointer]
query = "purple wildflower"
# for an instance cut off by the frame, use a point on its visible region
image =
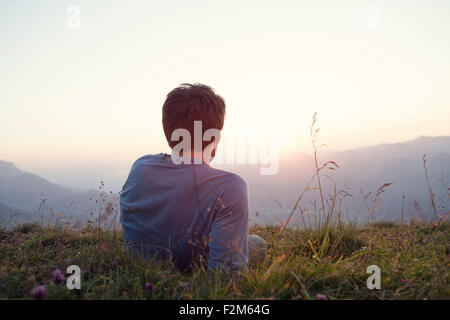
(320, 296)
(404, 281)
(39, 292)
(58, 276)
(149, 287)
(116, 260)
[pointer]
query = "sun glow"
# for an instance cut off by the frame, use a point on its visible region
(72, 94)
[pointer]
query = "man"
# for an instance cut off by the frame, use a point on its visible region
(177, 206)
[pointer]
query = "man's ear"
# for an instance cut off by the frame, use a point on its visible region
(217, 138)
(216, 142)
(210, 150)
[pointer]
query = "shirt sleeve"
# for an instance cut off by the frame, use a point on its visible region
(229, 232)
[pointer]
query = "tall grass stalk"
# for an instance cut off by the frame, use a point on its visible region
(431, 191)
(325, 247)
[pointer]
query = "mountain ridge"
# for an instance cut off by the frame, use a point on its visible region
(364, 168)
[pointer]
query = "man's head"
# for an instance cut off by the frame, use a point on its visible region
(192, 102)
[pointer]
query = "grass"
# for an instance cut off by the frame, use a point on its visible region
(413, 260)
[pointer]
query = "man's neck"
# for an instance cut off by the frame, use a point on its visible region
(196, 157)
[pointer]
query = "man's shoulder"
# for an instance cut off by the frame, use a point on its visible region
(149, 159)
(231, 180)
(233, 192)
(146, 163)
(238, 181)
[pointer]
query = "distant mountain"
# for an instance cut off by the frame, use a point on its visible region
(36, 198)
(9, 170)
(5, 212)
(363, 168)
(24, 190)
(88, 175)
(10, 216)
(400, 164)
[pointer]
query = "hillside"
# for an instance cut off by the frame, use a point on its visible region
(10, 217)
(35, 198)
(413, 260)
(24, 190)
(359, 169)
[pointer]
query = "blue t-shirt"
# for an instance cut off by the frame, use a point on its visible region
(185, 211)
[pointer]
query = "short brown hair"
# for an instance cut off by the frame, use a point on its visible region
(192, 102)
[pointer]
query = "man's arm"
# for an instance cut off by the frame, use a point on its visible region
(229, 232)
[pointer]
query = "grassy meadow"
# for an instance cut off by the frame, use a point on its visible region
(413, 258)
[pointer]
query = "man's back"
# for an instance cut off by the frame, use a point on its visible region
(185, 210)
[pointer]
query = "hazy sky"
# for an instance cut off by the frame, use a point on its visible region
(375, 71)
